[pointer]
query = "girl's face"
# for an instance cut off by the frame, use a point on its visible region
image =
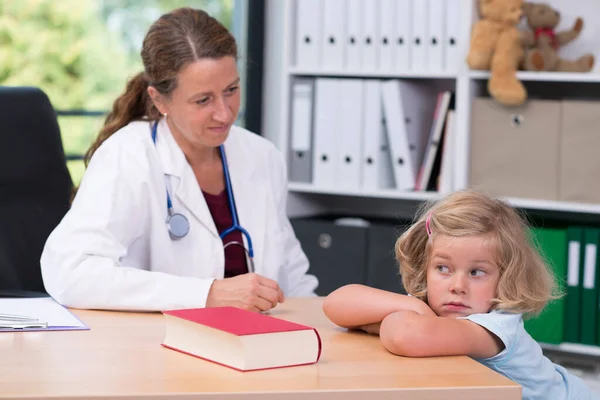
(462, 275)
(205, 103)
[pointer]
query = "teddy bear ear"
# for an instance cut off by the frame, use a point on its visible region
(527, 7)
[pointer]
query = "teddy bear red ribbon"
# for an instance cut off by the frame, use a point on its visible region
(548, 32)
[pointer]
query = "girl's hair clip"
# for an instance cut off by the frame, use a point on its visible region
(428, 224)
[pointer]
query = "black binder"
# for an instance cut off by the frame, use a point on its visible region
(337, 253)
(382, 268)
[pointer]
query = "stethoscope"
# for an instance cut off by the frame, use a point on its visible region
(179, 226)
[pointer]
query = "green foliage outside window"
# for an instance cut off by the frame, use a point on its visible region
(81, 53)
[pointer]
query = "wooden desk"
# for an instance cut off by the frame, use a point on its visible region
(121, 357)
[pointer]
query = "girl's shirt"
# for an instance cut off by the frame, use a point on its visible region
(523, 362)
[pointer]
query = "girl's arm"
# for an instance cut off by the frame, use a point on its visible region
(408, 333)
(355, 306)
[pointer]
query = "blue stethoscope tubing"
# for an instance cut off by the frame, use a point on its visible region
(179, 226)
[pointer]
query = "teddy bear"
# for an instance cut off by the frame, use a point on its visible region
(545, 42)
(496, 45)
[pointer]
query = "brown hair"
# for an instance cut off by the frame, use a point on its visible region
(526, 283)
(176, 39)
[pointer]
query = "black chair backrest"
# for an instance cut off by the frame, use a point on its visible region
(35, 184)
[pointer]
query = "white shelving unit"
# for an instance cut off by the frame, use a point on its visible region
(467, 85)
(306, 199)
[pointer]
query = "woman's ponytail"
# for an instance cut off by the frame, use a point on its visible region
(134, 104)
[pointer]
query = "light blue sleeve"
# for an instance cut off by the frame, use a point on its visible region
(503, 325)
(523, 361)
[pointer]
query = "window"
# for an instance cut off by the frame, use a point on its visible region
(82, 52)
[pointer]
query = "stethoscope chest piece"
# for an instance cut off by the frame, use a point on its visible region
(178, 225)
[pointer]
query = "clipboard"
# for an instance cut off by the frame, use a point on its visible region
(37, 314)
(22, 325)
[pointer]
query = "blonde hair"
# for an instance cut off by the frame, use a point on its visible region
(526, 284)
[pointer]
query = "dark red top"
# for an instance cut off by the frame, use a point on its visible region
(235, 255)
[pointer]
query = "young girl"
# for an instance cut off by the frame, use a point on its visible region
(471, 272)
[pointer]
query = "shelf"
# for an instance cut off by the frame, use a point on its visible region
(371, 74)
(590, 77)
(531, 204)
(575, 349)
(382, 194)
(580, 357)
(550, 205)
(545, 76)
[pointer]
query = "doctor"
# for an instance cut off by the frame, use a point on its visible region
(178, 207)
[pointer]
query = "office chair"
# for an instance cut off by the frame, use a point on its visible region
(35, 185)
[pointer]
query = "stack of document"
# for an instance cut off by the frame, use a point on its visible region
(39, 313)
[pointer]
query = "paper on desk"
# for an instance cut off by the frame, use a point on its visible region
(43, 308)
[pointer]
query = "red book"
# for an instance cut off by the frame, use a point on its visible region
(241, 339)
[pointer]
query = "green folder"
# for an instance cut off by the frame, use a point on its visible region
(574, 277)
(589, 292)
(548, 327)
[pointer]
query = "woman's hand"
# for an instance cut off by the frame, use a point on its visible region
(250, 291)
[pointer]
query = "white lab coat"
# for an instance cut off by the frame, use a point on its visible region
(112, 250)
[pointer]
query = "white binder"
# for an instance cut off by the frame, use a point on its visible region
(353, 39)
(451, 51)
(402, 35)
(370, 32)
(308, 33)
(435, 138)
(418, 101)
(393, 112)
(332, 40)
(300, 164)
(446, 180)
(386, 35)
(348, 152)
(436, 35)
(327, 113)
(589, 265)
(371, 135)
(418, 44)
(385, 169)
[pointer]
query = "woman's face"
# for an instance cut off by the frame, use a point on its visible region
(204, 104)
